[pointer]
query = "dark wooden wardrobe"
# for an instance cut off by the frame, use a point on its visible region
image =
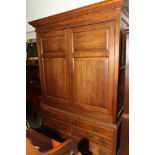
(124, 134)
(79, 58)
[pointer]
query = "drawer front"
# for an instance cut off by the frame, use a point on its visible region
(103, 137)
(92, 137)
(57, 125)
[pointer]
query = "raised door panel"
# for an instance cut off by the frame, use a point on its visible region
(98, 39)
(53, 42)
(90, 86)
(55, 77)
(56, 46)
(55, 66)
(93, 66)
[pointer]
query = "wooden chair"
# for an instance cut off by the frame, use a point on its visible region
(38, 144)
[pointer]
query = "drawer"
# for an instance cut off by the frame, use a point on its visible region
(57, 125)
(92, 137)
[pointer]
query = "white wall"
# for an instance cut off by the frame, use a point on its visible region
(37, 9)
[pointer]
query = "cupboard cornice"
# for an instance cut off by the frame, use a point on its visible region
(72, 14)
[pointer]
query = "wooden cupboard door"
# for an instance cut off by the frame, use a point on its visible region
(55, 72)
(93, 66)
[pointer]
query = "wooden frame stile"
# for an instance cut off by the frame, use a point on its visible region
(71, 63)
(40, 60)
(68, 66)
(116, 68)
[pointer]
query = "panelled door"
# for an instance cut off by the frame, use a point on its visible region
(78, 66)
(92, 49)
(55, 71)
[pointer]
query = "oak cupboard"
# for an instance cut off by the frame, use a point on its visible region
(80, 58)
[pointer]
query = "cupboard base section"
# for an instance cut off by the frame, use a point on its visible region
(93, 137)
